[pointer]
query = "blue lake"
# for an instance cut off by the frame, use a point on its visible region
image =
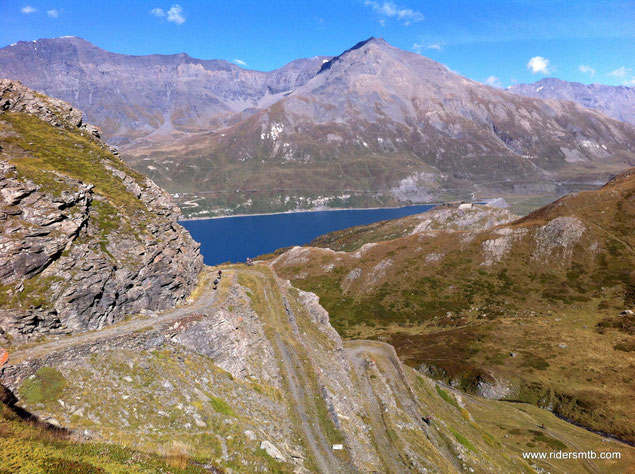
(233, 239)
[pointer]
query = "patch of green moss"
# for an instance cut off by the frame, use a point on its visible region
(57, 465)
(490, 440)
(45, 385)
(447, 397)
(462, 439)
(220, 406)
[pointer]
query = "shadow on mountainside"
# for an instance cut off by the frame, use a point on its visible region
(8, 402)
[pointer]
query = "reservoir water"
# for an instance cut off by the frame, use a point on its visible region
(233, 239)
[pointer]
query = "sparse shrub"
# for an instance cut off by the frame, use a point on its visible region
(64, 466)
(548, 440)
(628, 346)
(176, 455)
(534, 361)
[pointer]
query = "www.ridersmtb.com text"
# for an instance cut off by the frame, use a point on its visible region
(573, 455)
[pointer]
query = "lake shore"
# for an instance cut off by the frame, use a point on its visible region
(326, 209)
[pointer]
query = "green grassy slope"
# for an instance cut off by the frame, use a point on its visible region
(27, 445)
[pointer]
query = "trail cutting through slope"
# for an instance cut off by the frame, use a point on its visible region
(203, 304)
(360, 354)
(297, 382)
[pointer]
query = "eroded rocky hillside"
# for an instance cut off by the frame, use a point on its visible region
(84, 239)
(253, 378)
(539, 309)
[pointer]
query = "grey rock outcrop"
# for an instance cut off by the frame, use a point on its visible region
(14, 97)
(61, 270)
(272, 451)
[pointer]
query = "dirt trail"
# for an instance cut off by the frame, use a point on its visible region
(296, 378)
(387, 362)
(203, 304)
(390, 459)
(296, 381)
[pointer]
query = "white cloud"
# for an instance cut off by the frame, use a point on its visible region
(493, 81)
(621, 72)
(240, 62)
(586, 70)
(538, 64)
(54, 13)
(418, 47)
(624, 73)
(28, 9)
(391, 10)
(175, 14)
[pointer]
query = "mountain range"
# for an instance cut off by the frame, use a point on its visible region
(375, 125)
(133, 96)
(615, 101)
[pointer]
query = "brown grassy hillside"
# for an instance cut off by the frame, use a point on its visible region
(533, 310)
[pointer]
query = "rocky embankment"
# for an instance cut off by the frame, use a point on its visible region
(84, 240)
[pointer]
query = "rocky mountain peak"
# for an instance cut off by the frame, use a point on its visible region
(370, 43)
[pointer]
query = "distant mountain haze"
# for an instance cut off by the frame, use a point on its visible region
(615, 101)
(374, 126)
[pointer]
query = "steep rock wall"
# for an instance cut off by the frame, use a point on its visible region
(77, 254)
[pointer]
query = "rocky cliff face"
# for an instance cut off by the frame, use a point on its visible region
(85, 241)
(615, 101)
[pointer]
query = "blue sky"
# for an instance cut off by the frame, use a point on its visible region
(501, 42)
